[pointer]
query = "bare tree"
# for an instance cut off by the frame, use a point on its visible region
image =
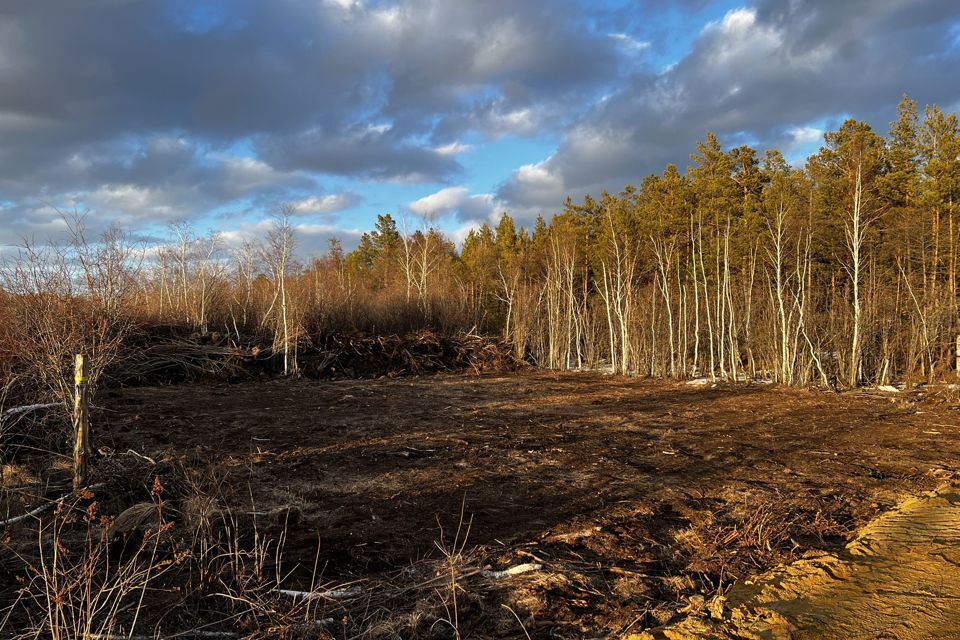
(279, 255)
(68, 300)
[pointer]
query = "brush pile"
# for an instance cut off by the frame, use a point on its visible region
(413, 354)
(164, 356)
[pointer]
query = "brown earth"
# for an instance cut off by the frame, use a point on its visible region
(640, 501)
(900, 578)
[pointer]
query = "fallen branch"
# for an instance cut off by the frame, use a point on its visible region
(131, 452)
(195, 633)
(30, 514)
(30, 407)
(332, 594)
(40, 509)
(512, 571)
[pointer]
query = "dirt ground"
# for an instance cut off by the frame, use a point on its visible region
(633, 503)
(899, 578)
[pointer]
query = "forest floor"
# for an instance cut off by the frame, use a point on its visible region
(622, 504)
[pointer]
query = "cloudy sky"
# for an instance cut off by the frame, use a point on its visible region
(146, 112)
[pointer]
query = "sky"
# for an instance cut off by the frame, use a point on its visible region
(144, 113)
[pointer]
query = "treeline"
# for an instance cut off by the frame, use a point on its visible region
(840, 272)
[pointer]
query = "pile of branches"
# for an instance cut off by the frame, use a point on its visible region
(165, 355)
(157, 355)
(412, 354)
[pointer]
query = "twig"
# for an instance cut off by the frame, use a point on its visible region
(193, 633)
(41, 508)
(332, 594)
(131, 452)
(30, 514)
(512, 571)
(30, 407)
(519, 621)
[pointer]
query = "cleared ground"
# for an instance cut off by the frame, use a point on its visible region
(634, 498)
(900, 578)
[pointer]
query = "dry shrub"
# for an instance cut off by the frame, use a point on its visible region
(411, 354)
(74, 589)
(33, 437)
(177, 563)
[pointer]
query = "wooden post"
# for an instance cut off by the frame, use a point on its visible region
(81, 425)
(958, 355)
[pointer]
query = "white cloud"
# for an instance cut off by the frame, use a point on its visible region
(738, 37)
(805, 135)
(518, 121)
(325, 204)
(128, 197)
(356, 88)
(313, 239)
(751, 76)
(535, 185)
(343, 4)
(456, 200)
(440, 203)
(460, 234)
(453, 148)
(310, 239)
(630, 43)
(245, 174)
(741, 39)
(735, 21)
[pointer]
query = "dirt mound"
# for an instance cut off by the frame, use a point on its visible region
(900, 578)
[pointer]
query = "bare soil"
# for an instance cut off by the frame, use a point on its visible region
(900, 578)
(640, 501)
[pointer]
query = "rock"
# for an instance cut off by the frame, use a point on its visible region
(139, 517)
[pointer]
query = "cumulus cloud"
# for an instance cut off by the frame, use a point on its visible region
(325, 204)
(310, 239)
(453, 148)
(84, 73)
(151, 181)
(803, 135)
(150, 111)
(361, 152)
(456, 201)
(630, 43)
(140, 104)
(751, 74)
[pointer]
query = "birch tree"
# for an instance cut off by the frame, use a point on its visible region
(279, 255)
(847, 170)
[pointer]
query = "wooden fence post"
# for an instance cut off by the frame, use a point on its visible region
(81, 425)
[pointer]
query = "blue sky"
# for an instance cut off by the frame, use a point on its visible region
(444, 112)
